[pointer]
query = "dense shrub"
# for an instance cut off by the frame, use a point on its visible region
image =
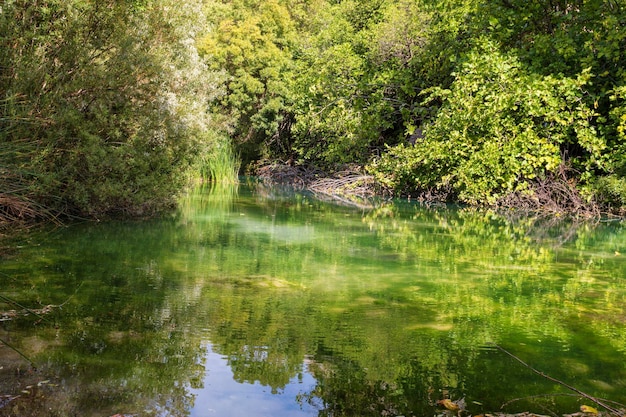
(499, 126)
(105, 103)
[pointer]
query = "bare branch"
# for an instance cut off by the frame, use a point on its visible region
(595, 400)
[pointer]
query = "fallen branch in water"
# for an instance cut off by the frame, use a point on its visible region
(348, 186)
(591, 398)
(16, 350)
(556, 194)
(11, 314)
(283, 174)
(25, 311)
(348, 183)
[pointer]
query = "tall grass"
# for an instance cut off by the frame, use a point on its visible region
(221, 164)
(16, 179)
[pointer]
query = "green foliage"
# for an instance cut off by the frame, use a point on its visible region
(221, 164)
(612, 190)
(512, 89)
(504, 92)
(251, 42)
(105, 102)
(328, 123)
(567, 38)
(353, 93)
(499, 127)
(562, 36)
(337, 90)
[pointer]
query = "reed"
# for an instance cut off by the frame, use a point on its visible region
(221, 164)
(16, 204)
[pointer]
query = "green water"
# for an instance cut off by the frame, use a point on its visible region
(256, 302)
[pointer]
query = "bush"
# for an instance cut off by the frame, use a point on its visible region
(107, 106)
(499, 127)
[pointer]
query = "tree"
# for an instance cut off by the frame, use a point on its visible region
(105, 103)
(499, 127)
(533, 87)
(252, 43)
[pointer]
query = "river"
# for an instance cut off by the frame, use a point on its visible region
(253, 301)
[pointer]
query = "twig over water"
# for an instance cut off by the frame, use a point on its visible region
(595, 400)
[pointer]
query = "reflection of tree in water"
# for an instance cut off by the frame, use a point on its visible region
(344, 388)
(263, 335)
(121, 343)
(96, 368)
(390, 307)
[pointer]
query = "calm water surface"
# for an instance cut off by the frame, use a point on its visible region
(252, 301)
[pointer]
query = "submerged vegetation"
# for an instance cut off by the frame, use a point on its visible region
(388, 311)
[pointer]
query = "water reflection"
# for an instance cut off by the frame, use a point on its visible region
(267, 303)
(222, 395)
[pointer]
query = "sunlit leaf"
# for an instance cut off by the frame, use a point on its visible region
(588, 409)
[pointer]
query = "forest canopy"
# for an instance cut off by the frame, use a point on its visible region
(111, 106)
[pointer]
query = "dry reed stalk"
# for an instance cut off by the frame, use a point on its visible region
(15, 209)
(555, 194)
(348, 186)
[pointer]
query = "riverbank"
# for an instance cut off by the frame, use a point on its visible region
(349, 185)
(556, 195)
(552, 197)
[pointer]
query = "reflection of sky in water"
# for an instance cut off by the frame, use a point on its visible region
(221, 395)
